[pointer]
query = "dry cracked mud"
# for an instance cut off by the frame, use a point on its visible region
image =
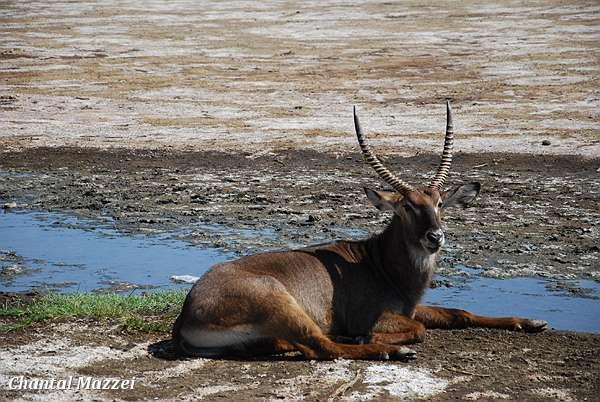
(212, 75)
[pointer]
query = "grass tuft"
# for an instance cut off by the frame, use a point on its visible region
(151, 312)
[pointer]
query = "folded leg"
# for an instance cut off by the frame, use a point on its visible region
(397, 329)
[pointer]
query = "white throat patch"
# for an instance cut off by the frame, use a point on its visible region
(422, 260)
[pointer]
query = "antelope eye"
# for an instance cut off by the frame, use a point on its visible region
(439, 204)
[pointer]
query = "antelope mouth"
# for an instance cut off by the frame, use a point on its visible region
(432, 247)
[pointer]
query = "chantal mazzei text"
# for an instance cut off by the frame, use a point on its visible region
(22, 383)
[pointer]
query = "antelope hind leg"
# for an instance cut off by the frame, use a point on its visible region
(289, 322)
(449, 318)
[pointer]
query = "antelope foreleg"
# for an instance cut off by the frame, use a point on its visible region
(397, 329)
(450, 318)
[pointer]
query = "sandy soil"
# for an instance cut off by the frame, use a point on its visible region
(238, 116)
(212, 75)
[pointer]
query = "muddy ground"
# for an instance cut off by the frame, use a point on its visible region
(229, 125)
(536, 216)
(457, 365)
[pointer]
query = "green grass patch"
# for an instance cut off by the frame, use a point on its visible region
(151, 312)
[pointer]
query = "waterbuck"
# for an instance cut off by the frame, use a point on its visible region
(311, 299)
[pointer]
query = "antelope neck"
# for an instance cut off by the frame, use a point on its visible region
(405, 266)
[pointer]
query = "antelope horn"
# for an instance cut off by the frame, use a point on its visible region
(442, 172)
(398, 185)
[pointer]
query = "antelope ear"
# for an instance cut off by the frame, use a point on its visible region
(461, 196)
(383, 200)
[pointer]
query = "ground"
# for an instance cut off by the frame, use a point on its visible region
(238, 115)
(535, 216)
(452, 365)
(271, 75)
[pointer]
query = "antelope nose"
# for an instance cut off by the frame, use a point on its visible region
(435, 236)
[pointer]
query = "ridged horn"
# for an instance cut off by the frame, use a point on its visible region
(398, 184)
(442, 172)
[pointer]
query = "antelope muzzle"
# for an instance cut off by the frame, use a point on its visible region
(433, 240)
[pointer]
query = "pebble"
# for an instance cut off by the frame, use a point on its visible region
(184, 278)
(12, 270)
(546, 142)
(312, 218)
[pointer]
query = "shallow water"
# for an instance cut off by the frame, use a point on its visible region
(49, 251)
(69, 254)
(525, 297)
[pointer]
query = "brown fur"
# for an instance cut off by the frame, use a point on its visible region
(304, 299)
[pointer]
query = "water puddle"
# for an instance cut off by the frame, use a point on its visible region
(48, 251)
(525, 297)
(55, 252)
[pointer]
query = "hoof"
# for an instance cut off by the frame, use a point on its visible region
(403, 353)
(532, 326)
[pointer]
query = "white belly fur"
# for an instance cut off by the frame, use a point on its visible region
(234, 336)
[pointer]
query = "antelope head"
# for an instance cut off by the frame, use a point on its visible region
(419, 209)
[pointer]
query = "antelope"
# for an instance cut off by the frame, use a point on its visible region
(346, 299)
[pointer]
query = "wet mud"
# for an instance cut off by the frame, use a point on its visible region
(536, 216)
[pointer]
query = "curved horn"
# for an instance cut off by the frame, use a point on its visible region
(442, 172)
(398, 185)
